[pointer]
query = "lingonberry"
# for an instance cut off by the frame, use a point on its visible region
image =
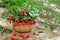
(14, 34)
(22, 36)
(18, 21)
(15, 24)
(34, 33)
(24, 11)
(27, 36)
(8, 18)
(13, 38)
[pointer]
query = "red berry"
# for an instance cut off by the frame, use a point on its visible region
(23, 22)
(31, 22)
(24, 11)
(12, 38)
(22, 14)
(14, 34)
(15, 24)
(8, 18)
(18, 21)
(12, 18)
(34, 33)
(5, 29)
(34, 22)
(28, 23)
(22, 35)
(27, 36)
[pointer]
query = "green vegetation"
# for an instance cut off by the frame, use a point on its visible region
(14, 5)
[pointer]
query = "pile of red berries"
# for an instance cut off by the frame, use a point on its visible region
(23, 22)
(11, 18)
(23, 36)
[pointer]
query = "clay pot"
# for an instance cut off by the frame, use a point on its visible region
(23, 28)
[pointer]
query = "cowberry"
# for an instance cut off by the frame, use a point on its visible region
(24, 11)
(15, 24)
(27, 36)
(22, 36)
(8, 18)
(34, 33)
(12, 18)
(5, 29)
(23, 22)
(13, 38)
(32, 22)
(18, 21)
(28, 23)
(22, 14)
(14, 34)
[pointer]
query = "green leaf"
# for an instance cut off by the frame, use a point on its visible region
(9, 31)
(4, 15)
(5, 1)
(1, 27)
(26, 18)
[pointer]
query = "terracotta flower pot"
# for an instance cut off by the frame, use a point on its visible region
(23, 28)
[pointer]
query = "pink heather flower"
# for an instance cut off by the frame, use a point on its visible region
(55, 31)
(36, 24)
